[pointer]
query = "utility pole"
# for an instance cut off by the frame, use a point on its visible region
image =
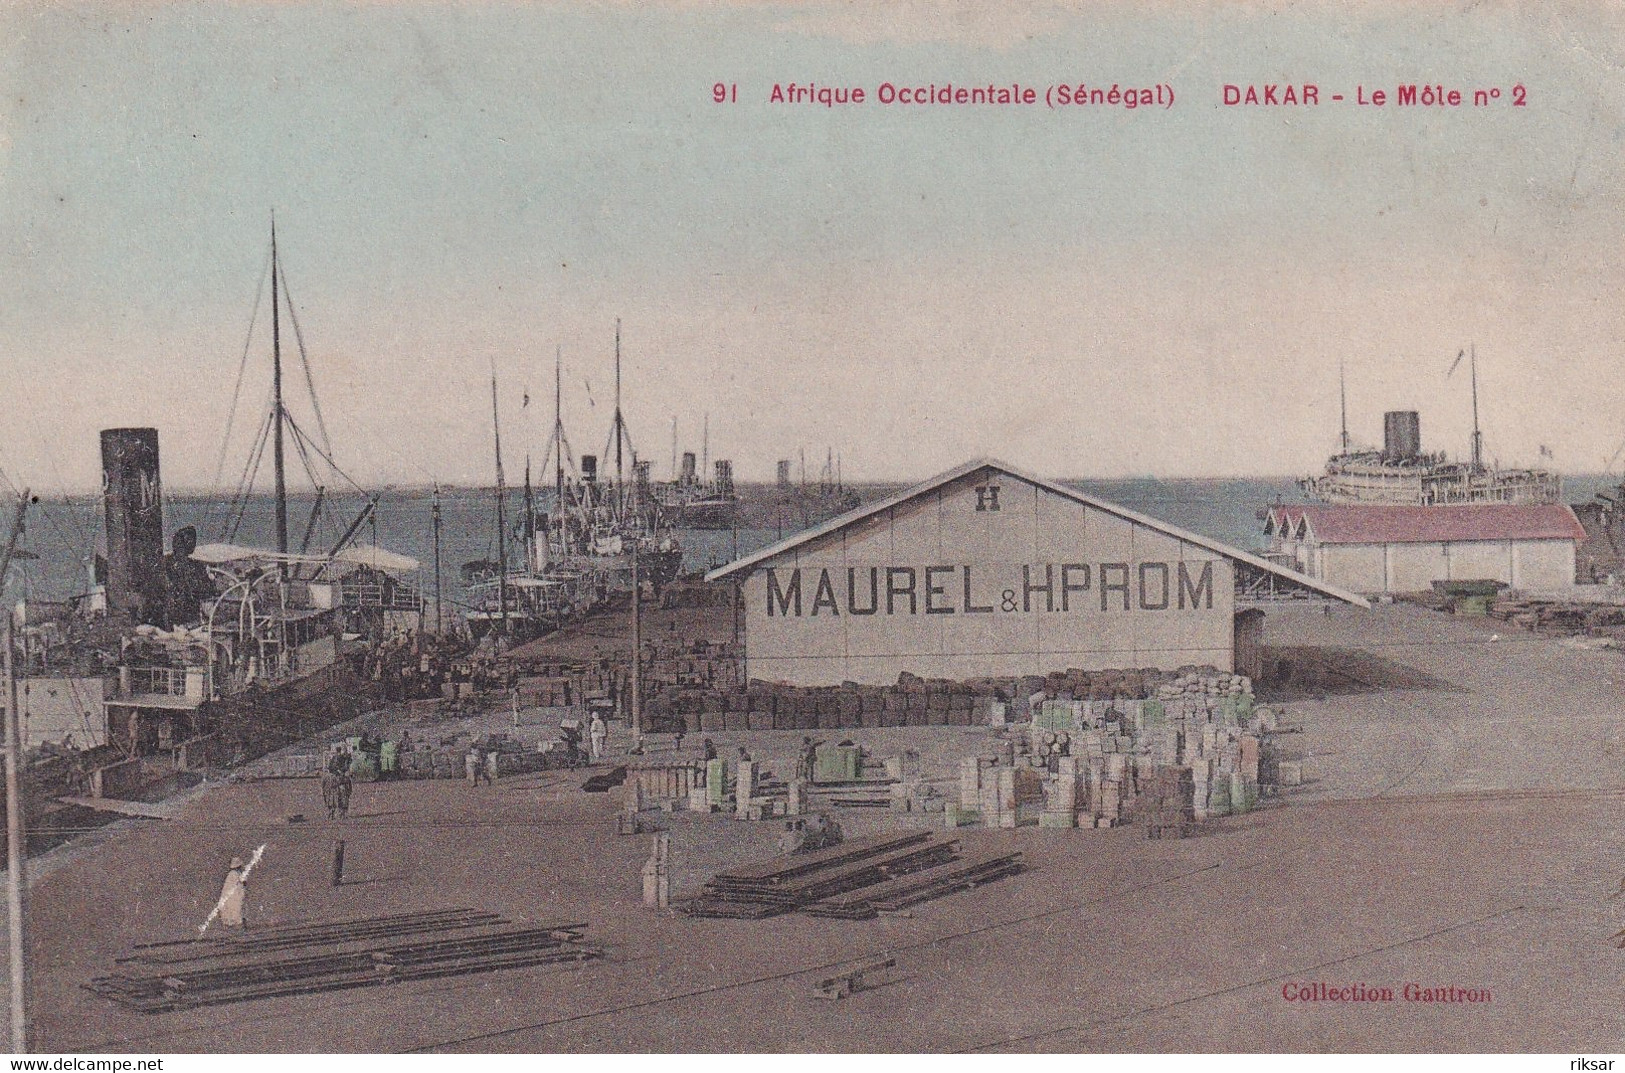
(637, 646)
(439, 606)
(733, 609)
(502, 518)
(15, 829)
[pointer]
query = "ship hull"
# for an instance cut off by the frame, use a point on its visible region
(707, 515)
(1424, 486)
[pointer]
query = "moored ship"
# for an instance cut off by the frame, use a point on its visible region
(1401, 473)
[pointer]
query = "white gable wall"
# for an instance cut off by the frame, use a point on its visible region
(950, 597)
(1414, 567)
(1543, 564)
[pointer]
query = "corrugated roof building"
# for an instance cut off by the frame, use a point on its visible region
(986, 571)
(1385, 549)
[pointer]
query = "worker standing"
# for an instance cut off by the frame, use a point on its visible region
(336, 774)
(598, 732)
(345, 786)
(232, 895)
(473, 764)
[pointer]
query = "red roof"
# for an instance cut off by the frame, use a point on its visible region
(1362, 524)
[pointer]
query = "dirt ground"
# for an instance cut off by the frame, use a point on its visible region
(1462, 829)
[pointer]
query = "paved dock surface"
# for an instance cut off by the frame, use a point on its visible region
(1463, 830)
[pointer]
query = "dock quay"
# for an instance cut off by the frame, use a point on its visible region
(1427, 736)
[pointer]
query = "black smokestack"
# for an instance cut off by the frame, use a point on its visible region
(133, 497)
(1401, 435)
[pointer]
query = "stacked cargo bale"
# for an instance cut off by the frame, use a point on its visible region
(1102, 756)
(702, 692)
(1165, 805)
(542, 691)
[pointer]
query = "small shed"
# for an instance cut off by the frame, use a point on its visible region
(1392, 549)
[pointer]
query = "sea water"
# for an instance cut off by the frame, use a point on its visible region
(64, 533)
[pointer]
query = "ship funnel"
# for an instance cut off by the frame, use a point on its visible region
(133, 499)
(1401, 435)
(784, 473)
(688, 475)
(589, 468)
(725, 477)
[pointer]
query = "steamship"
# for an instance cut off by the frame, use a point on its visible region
(229, 649)
(697, 504)
(1402, 474)
(602, 536)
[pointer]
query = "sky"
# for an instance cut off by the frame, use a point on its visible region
(468, 188)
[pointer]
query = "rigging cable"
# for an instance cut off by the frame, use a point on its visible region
(236, 392)
(304, 362)
(245, 486)
(325, 456)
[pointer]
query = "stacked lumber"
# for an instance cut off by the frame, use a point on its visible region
(296, 959)
(902, 869)
(1560, 618)
(897, 894)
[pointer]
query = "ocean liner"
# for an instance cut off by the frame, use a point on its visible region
(1401, 473)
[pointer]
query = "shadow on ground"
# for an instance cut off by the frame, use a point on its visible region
(1299, 673)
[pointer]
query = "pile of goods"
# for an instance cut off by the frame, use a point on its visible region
(914, 701)
(440, 757)
(1560, 618)
(1199, 748)
(668, 667)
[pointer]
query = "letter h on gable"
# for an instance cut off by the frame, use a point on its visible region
(987, 497)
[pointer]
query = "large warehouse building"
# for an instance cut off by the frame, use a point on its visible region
(1406, 549)
(985, 571)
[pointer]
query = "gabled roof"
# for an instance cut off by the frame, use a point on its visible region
(1457, 523)
(852, 517)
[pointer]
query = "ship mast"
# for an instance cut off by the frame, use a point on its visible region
(502, 522)
(1478, 437)
(620, 427)
(558, 436)
(276, 405)
(530, 520)
(1343, 400)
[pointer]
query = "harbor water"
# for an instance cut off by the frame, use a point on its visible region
(65, 533)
